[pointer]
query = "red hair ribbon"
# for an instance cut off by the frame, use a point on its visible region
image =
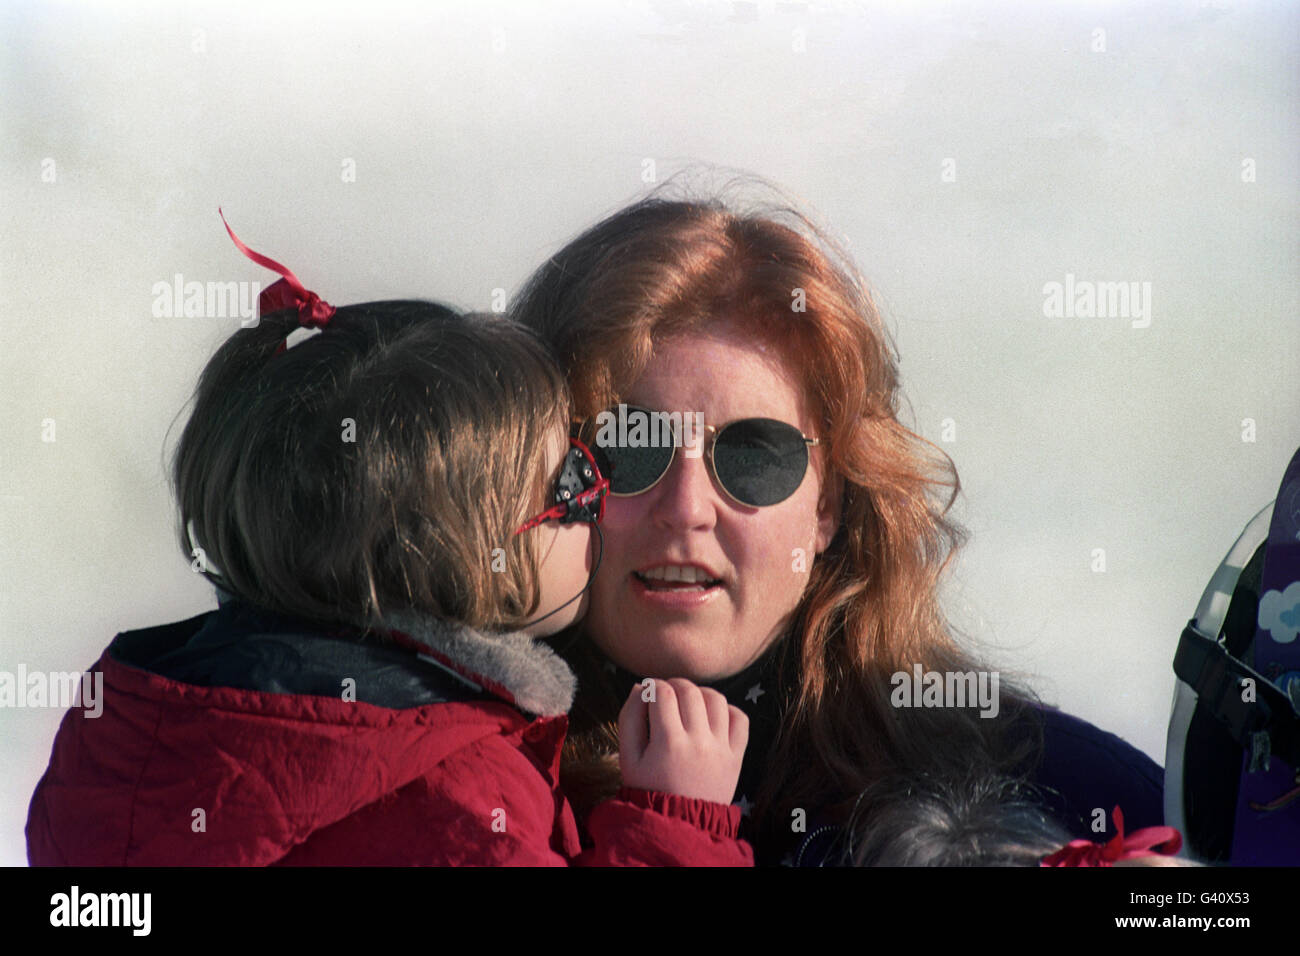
(286, 293)
(1151, 840)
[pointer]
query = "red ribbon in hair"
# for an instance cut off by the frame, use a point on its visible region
(1165, 841)
(286, 293)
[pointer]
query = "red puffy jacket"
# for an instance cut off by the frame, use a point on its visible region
(241, 738)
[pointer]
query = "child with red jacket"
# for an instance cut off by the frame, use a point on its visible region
(371, 689)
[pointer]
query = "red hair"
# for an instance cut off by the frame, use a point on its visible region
(661, 267)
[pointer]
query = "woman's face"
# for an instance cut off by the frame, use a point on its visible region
(674, 629)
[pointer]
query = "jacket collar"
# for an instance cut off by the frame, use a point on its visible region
(513, 665)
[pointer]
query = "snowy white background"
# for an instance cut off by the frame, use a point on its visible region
(484, 135)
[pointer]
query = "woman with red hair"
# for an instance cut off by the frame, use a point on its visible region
(791, 558)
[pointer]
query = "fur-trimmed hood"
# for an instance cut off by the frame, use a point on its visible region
(535, 678)
(427, 660)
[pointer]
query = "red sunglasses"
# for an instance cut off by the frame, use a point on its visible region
(580, 490)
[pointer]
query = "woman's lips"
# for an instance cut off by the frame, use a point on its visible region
(677, 571)
(674, 595)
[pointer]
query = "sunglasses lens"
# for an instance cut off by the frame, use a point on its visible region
(760, 461)
(631, 470)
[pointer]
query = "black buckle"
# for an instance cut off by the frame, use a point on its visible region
(1267, 726)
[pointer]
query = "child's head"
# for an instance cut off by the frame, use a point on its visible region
(984, 820)
(379, 466)
(931, 821)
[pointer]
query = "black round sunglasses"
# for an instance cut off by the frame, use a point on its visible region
(756, 461)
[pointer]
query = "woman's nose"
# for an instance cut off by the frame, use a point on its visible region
(686, 497)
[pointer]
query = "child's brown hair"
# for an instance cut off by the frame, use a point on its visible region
(378, 466)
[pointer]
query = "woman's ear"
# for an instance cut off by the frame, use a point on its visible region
(829, 510)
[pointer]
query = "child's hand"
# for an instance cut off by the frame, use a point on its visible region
(693, 745)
